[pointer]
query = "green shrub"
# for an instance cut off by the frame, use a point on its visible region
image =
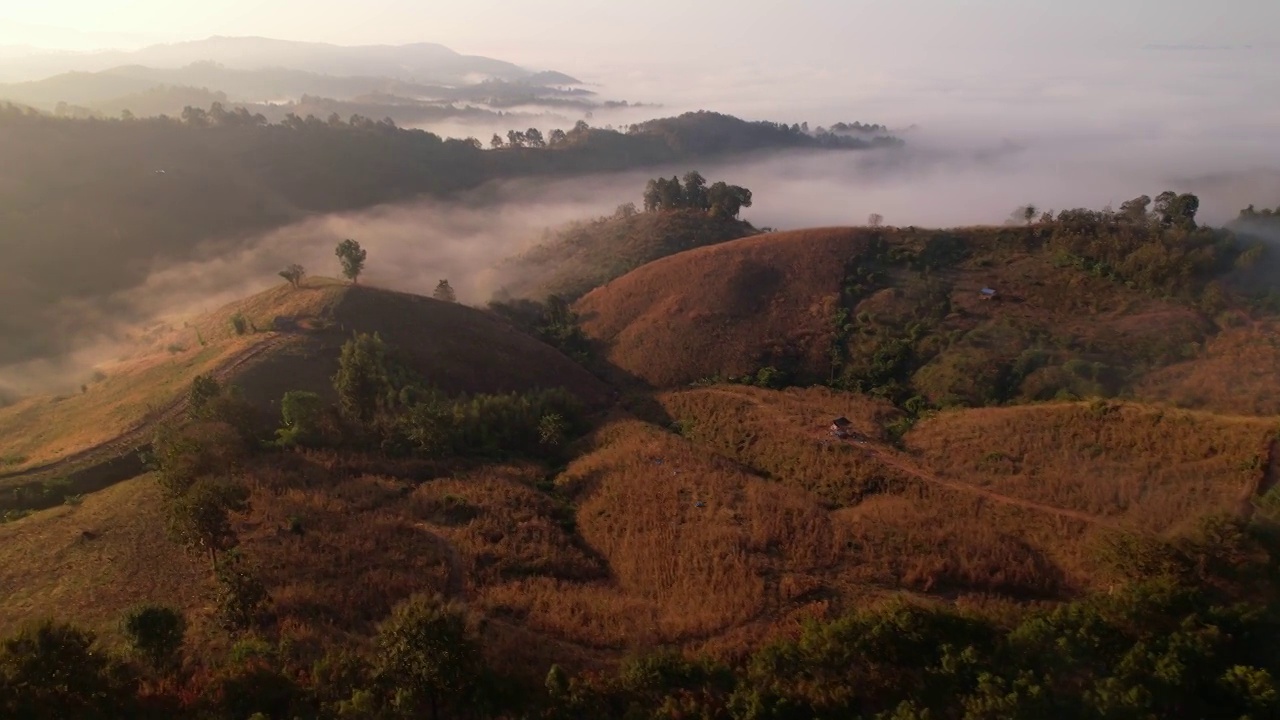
(155, 633)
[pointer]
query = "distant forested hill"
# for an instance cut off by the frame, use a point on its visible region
(86, 211)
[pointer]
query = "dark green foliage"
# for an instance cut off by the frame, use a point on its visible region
(209, 401)
(428, 657)
(302, 416)
(553, 322)
(534, 424)
(352, 258)
(200, 519)
(181, 455)
(156, 634)
(721, 200)
(364, 379)
(56, 671)
(239, 323)
(242, 599)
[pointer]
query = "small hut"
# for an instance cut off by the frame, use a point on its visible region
(840, 427)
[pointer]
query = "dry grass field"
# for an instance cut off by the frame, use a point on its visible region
(1235, 374)
(89, 563)
(1149, 468)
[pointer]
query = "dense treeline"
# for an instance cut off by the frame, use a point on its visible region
(83, 195)
(1189, 631)
(720, 200)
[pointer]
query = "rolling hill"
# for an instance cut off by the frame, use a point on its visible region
(695, 547)
(576, 259)
(900, 310)
(292, 342)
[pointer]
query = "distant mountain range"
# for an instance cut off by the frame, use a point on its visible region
(415, 63)
(409, 83)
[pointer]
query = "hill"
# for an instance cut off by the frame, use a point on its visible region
(573, 260)
(227, 177)
(900, 312)
(292, 341)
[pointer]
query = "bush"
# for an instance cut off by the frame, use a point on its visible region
(55, 671)
(239, 323)
(155, 633)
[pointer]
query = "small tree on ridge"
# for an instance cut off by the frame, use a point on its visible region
(352, 257)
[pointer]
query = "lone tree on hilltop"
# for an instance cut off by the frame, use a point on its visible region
(444, 291)
(352, 256)
(294, 274)
(875, 219)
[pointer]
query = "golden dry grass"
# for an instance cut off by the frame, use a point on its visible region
(49, 568)
(1145, 467)
(1235, 373)
(784, 436)
(724, 308)
(677, 572)
(149, 378)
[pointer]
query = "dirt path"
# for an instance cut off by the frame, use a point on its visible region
(128, 442)
(456, 585)
(896, 460)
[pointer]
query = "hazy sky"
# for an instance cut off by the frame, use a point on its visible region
(792, 32)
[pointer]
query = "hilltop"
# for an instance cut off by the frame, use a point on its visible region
(573, 260)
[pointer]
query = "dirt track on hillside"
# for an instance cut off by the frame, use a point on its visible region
(111, 457)
(898, 461)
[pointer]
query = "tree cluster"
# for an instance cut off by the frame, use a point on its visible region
(390, 408)
(720, 199)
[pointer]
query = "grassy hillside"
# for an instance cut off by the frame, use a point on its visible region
(899, 312)
(1234, 372)
(574, 260)
(292, 341)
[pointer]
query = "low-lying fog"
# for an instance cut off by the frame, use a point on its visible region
(1145, 121)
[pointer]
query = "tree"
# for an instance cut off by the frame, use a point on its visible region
(557, 137)
(352, 257)
(652, 198)
(1174, 210)
(1135, 210)
(156, 634)
(362, 381)
(695, 191)
(55, 671)
(728, 200)
(496, 142)
(300, 414)
(205, 389)
(200, 518)
(294, 274)
(1029, 213)
(427, 652)
(242, 597)
(515, 138)
(533, 138)
(444, 291)
(875, 219)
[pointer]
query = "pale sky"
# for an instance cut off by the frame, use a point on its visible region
(569, 33)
